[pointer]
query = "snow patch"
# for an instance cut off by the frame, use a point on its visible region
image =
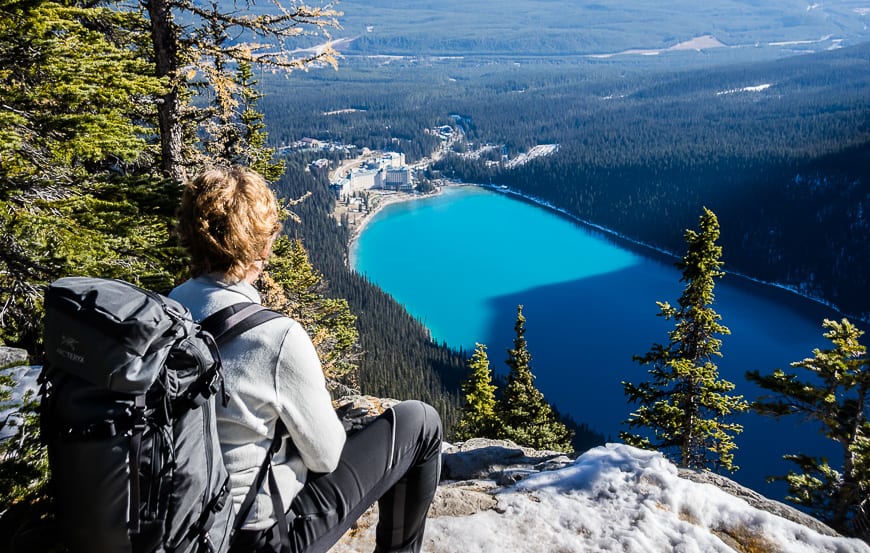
(756, 88)
(800, 42)
(26, 387)
(538, 151)
(340, 111)
(698, 44)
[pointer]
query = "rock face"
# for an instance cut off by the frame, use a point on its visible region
(500, 461)
(472, 472)
(357, 411)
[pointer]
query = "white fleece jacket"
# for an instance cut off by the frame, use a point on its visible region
(270, 371)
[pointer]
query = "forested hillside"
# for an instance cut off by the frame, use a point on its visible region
(779, 150)
(542, 29)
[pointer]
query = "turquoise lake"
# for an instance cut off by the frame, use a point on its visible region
(463, 260)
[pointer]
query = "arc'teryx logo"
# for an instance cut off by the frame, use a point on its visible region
(67, 348)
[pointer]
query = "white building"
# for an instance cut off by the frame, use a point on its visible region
(319, 165)
(399, 179)
(392, 160)
(363, 179)
(386, 172)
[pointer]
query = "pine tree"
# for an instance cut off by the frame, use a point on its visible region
(527, 417)
(835, 396)
(685, 403)
(235, 132)
(478, 418)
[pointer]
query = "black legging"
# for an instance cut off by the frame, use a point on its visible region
(395, 460)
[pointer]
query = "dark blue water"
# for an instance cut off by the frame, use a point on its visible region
(462, 261)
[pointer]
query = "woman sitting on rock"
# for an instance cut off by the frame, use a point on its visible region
(228, 220)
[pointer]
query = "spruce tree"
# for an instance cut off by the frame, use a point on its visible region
(835, 395)
(255, 153)
(685, 403)
(478, 418)
(527, 417)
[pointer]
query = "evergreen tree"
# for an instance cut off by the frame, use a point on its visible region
(835, 396)
(527, 417)
(256, 154)
(685, 403)
(76, 101)
(200, 55)
(235, 132)
(478, 418)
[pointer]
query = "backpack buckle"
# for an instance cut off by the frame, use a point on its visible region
(137, 415)
(205, 540)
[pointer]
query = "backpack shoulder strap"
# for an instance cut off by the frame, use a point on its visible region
(227, 323)
(221, 326)
(224, 325)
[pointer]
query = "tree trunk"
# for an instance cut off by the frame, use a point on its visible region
(165, 41)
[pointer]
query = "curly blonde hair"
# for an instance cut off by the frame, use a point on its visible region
(227, 219)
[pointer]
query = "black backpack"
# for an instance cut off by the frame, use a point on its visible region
(128, 416)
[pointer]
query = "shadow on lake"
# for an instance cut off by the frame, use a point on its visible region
(583, 334)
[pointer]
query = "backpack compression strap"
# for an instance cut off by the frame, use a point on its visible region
(277, 504)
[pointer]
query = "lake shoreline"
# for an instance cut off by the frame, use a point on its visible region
(400, 197)
(661, 251)
(383, 199)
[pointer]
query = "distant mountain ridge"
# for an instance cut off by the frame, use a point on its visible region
(746, 29)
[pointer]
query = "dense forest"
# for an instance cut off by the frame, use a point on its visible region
(779, 150)
(532, 30)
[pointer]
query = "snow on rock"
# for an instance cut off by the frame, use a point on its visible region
(611, 498)
(12, 364)
(12, 357)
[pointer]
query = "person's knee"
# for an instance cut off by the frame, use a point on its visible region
(419, 418)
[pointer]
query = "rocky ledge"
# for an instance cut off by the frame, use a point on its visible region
(476, 471)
